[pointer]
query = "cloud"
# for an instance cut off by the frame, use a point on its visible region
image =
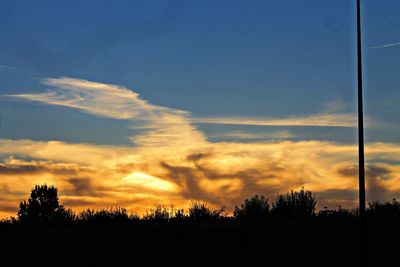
(385, 46)
(325, 120)
(221, 174)
(172, 161)
(246, 135)
(7, 209)
(81, 186)
(378, 180)
(333, 198)
(160, 125)
(13, 166)
(82, 154)
(99, 99)
(335, 106)
(7, 67)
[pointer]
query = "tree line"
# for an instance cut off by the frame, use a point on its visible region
(44, 207)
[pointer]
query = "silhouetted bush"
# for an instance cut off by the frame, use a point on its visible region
(255, 208)
(199, 211)
(384, 211)
(43, 206)
(177, 215)
(9, 221)
(340, 214)
(113, 215)
(294, 204)
(159, 214)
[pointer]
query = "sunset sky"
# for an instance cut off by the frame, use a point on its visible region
(137, 103)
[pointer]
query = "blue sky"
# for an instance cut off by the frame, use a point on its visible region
(212, 58)
(256, 71)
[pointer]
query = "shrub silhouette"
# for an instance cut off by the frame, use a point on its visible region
(341, 214)
(387, 210)
(199, 211)
(97, 237)
(159, 214)
(255, 208)
(179, 216)
(43, 206)
(294, 204)
(113, 215)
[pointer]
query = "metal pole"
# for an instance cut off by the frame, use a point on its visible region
(361, 159)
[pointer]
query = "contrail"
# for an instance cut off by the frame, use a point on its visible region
(7, 67)
(385, 46)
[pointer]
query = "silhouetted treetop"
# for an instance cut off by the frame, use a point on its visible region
(199, 211)
(43, 206)
(159, 213)
(112, 215)
(256, 207)
(386, 210)
(295, 204)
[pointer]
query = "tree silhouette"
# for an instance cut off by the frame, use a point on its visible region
(159, 214)
(295, 205)
(112, 215)
(256, 207)
(199, 211)
(385, 211)
(43, 206)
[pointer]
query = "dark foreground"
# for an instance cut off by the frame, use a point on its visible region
(222, 243)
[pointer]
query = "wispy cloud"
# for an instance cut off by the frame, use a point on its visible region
(246, 135)
(326, 120)
(173, 161)
(161, 125)
(100, 99)
(385, 46)
(7, 67)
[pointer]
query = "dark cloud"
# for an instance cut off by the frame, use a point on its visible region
(188, 178)
(77, 203)
(22, 168)
(372, 170)
(348, 171)
(338, 194)
(197, 157)
(6, 192)
(7, 208)
(81, 186)
(376, 174)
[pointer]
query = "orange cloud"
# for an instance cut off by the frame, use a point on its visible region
(171, 161)
(220, 173)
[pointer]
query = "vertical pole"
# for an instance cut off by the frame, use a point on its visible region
(361, 159)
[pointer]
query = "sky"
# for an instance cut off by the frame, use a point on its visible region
(137, 103)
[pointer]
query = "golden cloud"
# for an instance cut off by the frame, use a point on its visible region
(326, 120)
(172, 162)
(220, 173)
